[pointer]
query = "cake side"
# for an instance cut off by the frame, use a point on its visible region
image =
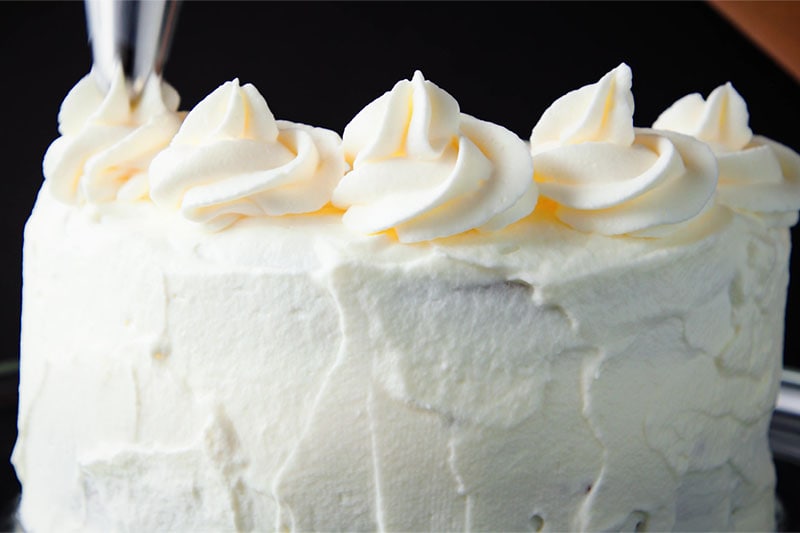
(543, 378)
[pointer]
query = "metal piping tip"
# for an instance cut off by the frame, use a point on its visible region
(132, 34)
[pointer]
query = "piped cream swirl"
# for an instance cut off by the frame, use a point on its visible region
(232, 159)
(426, 170)
(756, 174)
(107, 142)
(607, 176)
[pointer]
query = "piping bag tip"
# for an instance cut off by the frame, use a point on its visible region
(134, 35)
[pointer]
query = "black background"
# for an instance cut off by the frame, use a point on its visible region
(320, 63)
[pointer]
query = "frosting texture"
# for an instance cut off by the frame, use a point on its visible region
(232, 159)
(107, 142)
(607, 176)
(289, 375)
(426, 170)
(756, 174)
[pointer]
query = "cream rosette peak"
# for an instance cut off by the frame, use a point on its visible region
(605, 176)
(232, 159)
(756, 174)
(601, 112)
(426, 170)
(108, 141)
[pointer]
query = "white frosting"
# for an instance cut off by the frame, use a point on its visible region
(426, 170)
(756, 174)
(231, 159)
(107, 142)
(601, 112)
(289, 374)
(721, 122)
(607, 176)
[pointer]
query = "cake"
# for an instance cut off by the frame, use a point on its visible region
(237, 323)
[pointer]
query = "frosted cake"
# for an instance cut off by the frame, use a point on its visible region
(232, 322)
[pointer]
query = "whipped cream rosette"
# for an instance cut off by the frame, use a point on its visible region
(426, 170)
(756, 174)
(232, 159)
(608, 177)
(107, 142)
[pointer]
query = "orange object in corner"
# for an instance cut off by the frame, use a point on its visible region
(773, 26)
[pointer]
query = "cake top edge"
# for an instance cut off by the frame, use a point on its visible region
(413, 165)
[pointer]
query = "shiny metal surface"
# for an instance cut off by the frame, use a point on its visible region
(784, 431)
(134, 34)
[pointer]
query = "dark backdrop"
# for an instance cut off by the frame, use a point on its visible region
(320, 63)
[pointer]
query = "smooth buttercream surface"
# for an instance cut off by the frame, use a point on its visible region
(425, 170)
(756, 174)
(607, 176)
(232, 159)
